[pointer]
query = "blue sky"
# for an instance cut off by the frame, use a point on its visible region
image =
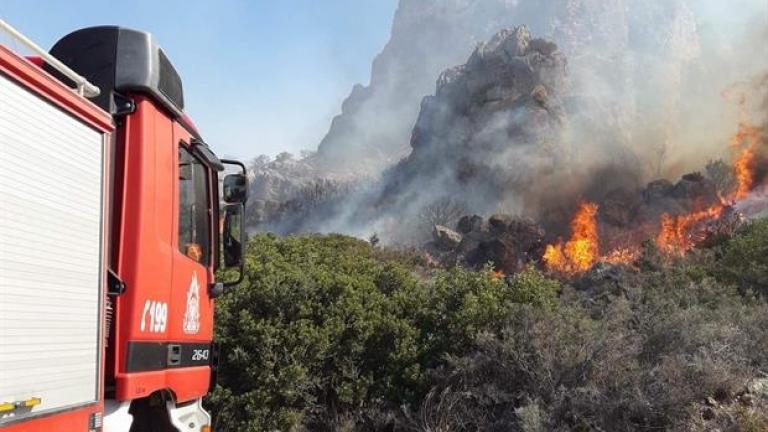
(259, 76)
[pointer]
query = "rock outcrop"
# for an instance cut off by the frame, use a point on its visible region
(489, 129)
(507, 242)
(625, 219)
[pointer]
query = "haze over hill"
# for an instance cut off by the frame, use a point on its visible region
(646, 86)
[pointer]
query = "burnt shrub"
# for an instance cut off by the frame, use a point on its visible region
(643, 360)
(723, 176)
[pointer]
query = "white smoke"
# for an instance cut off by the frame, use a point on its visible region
(648, 76)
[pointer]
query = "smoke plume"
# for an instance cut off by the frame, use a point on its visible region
(636, 91)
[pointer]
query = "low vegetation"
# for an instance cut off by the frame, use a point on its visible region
(331, 333)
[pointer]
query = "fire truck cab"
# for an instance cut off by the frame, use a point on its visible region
(115, 218)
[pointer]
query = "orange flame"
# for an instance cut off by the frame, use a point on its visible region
(745, 142)
(678, 233)
(497, 275)
(744, 167)
(624, 256)
(675, 236)
(581, 251)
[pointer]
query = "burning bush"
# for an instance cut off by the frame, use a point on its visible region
(582, 250)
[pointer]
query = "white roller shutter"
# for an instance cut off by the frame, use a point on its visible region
(51, 169)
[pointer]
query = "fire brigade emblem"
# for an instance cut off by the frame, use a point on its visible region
(192, 315)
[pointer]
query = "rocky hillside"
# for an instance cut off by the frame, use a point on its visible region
(626, 217)
(492, 127)
(605, 41)
(640, 97)
(427, 37)
(289, 194)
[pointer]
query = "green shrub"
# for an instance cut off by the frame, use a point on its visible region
(330, 333)
(325, 327)
(531, 287)
(744, 259)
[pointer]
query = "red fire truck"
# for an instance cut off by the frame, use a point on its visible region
(115, 216)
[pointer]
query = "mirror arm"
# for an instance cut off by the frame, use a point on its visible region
(235, 162)
(243, 173)
(227, 285)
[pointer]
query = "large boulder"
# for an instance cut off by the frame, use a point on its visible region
(446, 238)
(697, 190)
(509, 243)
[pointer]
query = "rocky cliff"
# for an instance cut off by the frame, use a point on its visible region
(491, 129)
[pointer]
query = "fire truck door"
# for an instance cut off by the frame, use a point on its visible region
(191, 309)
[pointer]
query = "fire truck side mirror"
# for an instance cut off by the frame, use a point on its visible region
(233, 240)
(235, 188)
(234, 193)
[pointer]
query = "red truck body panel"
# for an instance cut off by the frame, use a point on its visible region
(31, 77)
(74, 420)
